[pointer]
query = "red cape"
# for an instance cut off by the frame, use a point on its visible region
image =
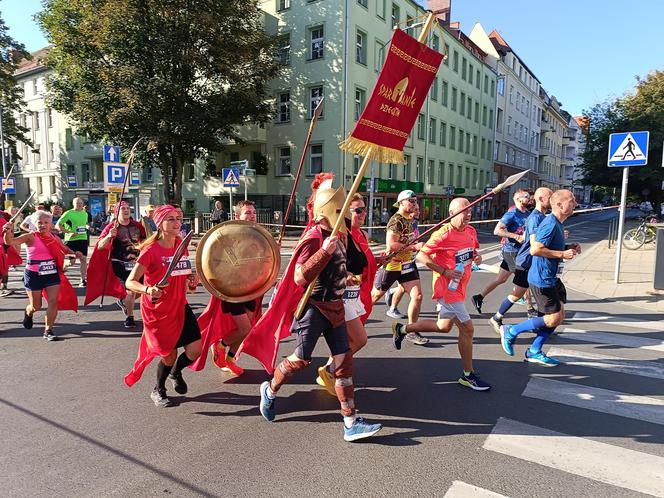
(215, 325)
(263, 340)
(67, 299)
(368, 274)
(9, 257)
(101, 280)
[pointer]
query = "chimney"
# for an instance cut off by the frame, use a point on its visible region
(444, 9)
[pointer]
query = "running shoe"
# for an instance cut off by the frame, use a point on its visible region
(396, 314)
(158, 396)
(267, 404)
(83, 283)
(50, 336)
(507, 339)
(532, 313)
(179, 384)
(388, 298)
(121, 304)
(6, 292)
(232, 367)
(27, 321)
(360, 430)
(218, 355)
(129, 322)
(521, 302)
(416, 338)
(541, 358)
(397, 335)
(326, 380)
(478, 300)
(496, 323)
(474, 382)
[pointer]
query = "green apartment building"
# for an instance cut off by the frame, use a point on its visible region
(335, 49)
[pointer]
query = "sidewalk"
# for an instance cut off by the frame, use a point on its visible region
(593, 271)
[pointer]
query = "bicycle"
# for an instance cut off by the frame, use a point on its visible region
(643, 234)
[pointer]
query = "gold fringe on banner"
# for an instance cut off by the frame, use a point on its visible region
(378, 153)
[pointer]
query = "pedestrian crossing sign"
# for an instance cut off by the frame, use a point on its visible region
(231, 177)
(628, 149)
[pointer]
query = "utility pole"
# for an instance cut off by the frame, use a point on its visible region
(2, 141)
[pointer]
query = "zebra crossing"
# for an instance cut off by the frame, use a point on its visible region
(593, 359)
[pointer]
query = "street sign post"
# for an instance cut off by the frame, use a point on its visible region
(114, 176)
(241, 167)
(8, 185)
(626, 149)
(71, 181)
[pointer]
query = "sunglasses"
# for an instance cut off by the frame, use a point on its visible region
(358, 210)
(412, 200)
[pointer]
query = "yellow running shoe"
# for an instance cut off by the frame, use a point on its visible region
(327, 380)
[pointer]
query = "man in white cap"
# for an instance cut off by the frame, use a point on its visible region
(402, 268)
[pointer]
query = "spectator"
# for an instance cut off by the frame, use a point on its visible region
(218, 214)
(149, 213)
(28, 225)
(384, 217)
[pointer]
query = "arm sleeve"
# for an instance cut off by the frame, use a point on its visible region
(308, 249)
(64, 218)
(434, 242)
(507, 218)
(545, 233)
(145, 258)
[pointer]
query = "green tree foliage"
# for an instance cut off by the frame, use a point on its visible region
(641, 111)
(11, 95)
(182, 73)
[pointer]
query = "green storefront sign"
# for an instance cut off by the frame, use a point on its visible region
(395, 186)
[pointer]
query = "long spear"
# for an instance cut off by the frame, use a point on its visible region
(312, 125)
(356, 183)
(130, 161)
(25, 205)
(509, 181)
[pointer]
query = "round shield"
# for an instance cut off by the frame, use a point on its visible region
(238, 261)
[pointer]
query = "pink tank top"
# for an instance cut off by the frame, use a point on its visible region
(37, 251)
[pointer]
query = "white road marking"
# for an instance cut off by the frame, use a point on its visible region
(627, 340)
(619, 321)
(460, 489)
(650, 369)
(596, 399)
(629, 469)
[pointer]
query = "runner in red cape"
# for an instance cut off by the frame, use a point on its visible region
(9, 256)
(168, 322)
(115, 255)
(225, 325)
(44, 276)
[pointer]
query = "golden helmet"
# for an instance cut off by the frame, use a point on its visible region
(328, 204)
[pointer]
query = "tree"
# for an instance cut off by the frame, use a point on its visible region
(642, 110)
(11, 95)
(185, 74)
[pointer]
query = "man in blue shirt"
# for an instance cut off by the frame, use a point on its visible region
(511, 227)
(523, 258)
(549, 253)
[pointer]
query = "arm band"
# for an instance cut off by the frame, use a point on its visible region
(312, 267)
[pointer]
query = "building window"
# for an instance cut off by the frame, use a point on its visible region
(40, 185)
(511, 94)
(464, 68)
(69, 139)
(316, 159)
(190, 172)
(51, 152)
(396, 15)
(49, 118)
(518, 101)
(420, 126)
(484, 115)
(454, 99)
(432, 130)
(477, 80)
(450, 174)
(380, 8)
(409, 22)
(356, 164)
(469, 108)
(434, 90)
(467, 184)
(419, 169)
(477, 112)
(446, 51)
(441, 173)
(315, 96)
(443, 93)
(363, 3)
(361, 48)
(486, 83)
(501, 86)
(496, 150)
(474, 145)
(360, 102)
(283, 5)
(379, 58)
(435, 43)
(317, 42)
(459, 175)
(284, 49)
(482, 155)
(475, 178)
(509, 125)
(467, 143)
(470, 73)
(34, 86)
(85, 172)
(283, 111)
(407, 168)
(443, 134)
(460, 140)
(462, 104)
(455, 62)
(283, 161)
(431, 173)
(452, 137)
(35, 120)
(491, 118)
(392, 171)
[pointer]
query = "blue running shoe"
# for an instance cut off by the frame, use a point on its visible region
(397, 335)
(474, 382)
(360, 429)
(507, 339)
(267, 404)
(521, 302)
(541, 358)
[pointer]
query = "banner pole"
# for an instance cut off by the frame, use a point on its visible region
(427, 27)
(341, 219)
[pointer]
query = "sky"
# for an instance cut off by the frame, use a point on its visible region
(583, 51)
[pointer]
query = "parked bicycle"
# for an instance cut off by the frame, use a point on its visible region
(643, 234)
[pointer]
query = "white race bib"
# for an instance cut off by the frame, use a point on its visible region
(129, 265)
(560, 270)
(81, 230)
(182, 268)
(47, 268)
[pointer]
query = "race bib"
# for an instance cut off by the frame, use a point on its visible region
(351, 294)
(81, 230)
(560, 270)
(408, 267)
(182, 268)
(47, 268)
(129, 265)
(464, 256)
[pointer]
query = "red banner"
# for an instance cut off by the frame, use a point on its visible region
(396, 100)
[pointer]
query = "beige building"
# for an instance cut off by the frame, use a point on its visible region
(554, 127)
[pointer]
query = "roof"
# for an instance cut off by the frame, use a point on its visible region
(502, 47)
(36, 63)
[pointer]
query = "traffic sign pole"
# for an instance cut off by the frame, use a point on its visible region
(621, 223)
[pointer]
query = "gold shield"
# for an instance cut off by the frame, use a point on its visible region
(238, 261)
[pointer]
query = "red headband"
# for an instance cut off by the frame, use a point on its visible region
(161, 213)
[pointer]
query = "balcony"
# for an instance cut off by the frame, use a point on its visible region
(93, 185)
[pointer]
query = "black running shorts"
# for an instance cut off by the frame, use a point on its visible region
(520, 278)
(549, 299)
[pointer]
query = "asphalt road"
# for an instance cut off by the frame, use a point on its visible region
(591, 427)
